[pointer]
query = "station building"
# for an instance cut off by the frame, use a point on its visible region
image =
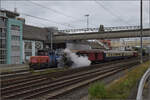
(33, 40)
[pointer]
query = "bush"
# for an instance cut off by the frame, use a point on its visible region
(97, 90)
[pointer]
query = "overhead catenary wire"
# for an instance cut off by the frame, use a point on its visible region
(45, 19)
(109, 11)
(56, 11)
(37, 23)
(116, 12)
(53, 10)
(48, 20)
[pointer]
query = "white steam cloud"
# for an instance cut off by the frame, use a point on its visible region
(78, 61)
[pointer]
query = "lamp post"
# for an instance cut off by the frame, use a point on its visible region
(87, 15)
(141, 29)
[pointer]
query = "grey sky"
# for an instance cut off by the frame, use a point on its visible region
(108, 13)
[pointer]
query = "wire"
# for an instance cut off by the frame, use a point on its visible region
(56, 11)
(101, 5)
(119, 14)
(34, 23)
(53, 10)
(48, 20)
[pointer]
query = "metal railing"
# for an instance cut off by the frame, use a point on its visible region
(119, 28)
(141, 85)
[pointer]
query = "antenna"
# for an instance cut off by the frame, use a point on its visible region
(15, 9)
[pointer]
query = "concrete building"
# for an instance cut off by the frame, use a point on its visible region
(3, 45)
(33, 40)
(18, 41)
(10, 38)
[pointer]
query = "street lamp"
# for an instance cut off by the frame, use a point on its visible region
(87, 15)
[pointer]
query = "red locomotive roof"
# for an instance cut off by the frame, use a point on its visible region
(39, 59)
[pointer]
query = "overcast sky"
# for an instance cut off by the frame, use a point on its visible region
(70, 14)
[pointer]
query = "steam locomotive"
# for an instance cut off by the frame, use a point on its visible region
(49, 59)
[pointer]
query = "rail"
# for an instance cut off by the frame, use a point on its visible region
(141, 85)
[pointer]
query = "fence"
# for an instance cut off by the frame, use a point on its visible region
(141, 85)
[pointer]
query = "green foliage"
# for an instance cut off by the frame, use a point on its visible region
(97, 90)
(121, 88)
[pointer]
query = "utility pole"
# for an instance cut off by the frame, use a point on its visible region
(141, 29)
(87, 15)
(149, 13)
(50, 31)
(51, 41)
(0, 4)
(149, 27)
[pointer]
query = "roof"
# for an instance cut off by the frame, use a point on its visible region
(34, 33)
(10, 14)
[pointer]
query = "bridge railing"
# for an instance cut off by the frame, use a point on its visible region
(97, 29)
(141, 85)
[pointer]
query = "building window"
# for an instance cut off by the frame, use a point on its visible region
(28, 45)
(28, 53)
(16, 38)
(15, 48)
(2, 33)
(15, 27)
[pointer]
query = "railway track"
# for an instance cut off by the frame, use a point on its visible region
(6, 81)
(47, 88)
(18, 73)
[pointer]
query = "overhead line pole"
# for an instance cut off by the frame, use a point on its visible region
(141, 29)
(149, 27)
(149, 13)
(0, 4)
